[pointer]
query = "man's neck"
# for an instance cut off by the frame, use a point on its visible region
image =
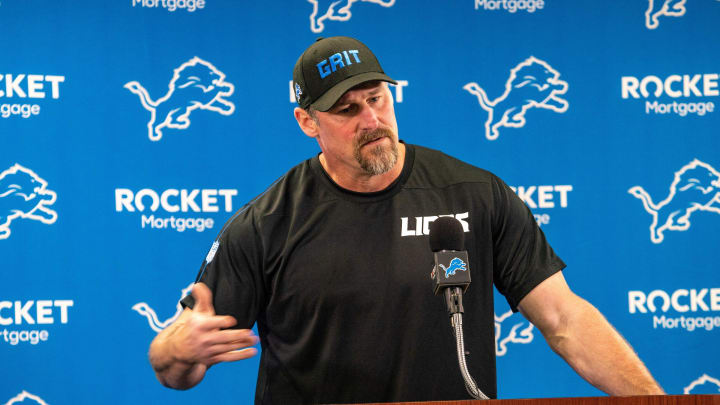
(363, 182)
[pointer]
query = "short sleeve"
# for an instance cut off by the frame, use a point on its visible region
(522, 256)
(232, 270)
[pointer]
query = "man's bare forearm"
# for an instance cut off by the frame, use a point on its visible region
(597, 352)
(580, 334)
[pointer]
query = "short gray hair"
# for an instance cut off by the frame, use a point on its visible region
(312, 113)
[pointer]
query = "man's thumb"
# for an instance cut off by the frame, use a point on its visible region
(203, 299)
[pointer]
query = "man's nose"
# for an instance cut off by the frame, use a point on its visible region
(368, 118)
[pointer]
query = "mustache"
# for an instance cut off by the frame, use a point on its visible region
(372, 135)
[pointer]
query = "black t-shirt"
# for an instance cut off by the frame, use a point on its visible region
(339, 281)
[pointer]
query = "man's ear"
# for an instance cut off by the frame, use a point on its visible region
(306, 122)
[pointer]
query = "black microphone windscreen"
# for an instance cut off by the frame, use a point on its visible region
(446, 233)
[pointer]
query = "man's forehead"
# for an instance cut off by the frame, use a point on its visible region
(374, 86)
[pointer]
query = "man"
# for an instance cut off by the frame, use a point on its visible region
(340, 290)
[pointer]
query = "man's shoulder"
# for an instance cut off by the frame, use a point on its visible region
(441, 169)
(289, 187)
(280, 196)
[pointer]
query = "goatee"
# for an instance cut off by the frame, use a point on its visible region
(377, 159)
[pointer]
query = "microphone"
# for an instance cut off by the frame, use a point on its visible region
(451, 271)
(451, 275)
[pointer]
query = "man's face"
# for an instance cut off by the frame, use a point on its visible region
(358, 135)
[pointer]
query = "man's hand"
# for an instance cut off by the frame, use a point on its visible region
(182, 353)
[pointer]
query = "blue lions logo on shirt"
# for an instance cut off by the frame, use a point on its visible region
(455, 265)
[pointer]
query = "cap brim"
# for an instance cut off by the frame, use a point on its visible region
(327, 100)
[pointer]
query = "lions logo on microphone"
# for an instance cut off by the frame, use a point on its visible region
(455, 265)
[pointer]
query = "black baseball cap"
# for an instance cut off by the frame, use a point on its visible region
(330, 67)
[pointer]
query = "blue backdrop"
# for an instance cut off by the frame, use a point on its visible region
(117, 171)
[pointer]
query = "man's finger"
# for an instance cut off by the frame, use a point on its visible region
(224, 348)
(216, 322)
(244, 336)
(234, 355)
(203, 299)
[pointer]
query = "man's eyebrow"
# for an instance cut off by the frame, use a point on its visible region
(343, 99)
(376, 90)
